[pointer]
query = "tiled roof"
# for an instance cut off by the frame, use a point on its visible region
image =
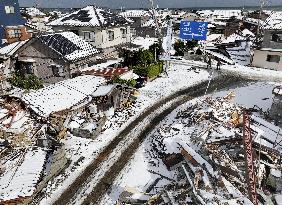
(106, 72)
(91, 16)
(62, 95)
(69, 45)
(274, 21)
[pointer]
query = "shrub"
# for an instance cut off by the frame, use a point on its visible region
(131, 83)
(150, 71)
(26, 82)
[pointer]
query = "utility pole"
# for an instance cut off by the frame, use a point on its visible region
(263, 3)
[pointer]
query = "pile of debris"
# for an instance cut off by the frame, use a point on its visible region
(204, 146)
(30, 152)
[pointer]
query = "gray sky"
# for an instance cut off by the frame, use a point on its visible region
(144, 3)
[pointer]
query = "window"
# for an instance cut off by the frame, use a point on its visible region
(273, 58)
(9, 9)
(57, 70)
(276, 38)
(28, 67)
(89, 36)
(15, 33)
(123, 32)
(133, 31)
(111, 35)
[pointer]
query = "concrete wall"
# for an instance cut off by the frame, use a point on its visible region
(276, 108)
(260, 60)
(101, 35)
(267, 39)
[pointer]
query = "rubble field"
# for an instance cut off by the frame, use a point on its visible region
(196, 156)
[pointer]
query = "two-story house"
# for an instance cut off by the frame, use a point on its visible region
(101, 28)
(12, 27)
(270, 54)
(51, 57)
(139, 17)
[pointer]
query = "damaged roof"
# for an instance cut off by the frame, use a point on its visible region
(274, 21)
(108, 72)
(62, 95)
(10, 49)
(69, 45)
(22, 175)
(91, 16)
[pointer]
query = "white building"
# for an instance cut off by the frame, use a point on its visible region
(97, 26)
(270, 54)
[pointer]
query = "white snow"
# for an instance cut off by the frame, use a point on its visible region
(20, 179)
(274, 21)
(179, 77)
(97, 18)
(11, 48)
(62, 95)
(144, 42)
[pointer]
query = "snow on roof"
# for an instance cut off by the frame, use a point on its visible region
(241, 54)
(129, 75)
(91, 16)
(135, 13)
(62, 95)
(233, 38)
(220, 14)
(213, 37)
(220, 56)
(274, 21)
(268, 134)
(32, 11)
(103, 90)
(69, 45)
(247, 32)
(144, 42)
(11, 48)
(254, 21)
(21, 179)
(102, 65)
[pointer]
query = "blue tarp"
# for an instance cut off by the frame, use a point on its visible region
(193, 30)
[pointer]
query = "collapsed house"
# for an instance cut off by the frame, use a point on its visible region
(203, 146)
(30, 153)
(82, 104)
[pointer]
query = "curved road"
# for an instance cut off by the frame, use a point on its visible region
(93, 183)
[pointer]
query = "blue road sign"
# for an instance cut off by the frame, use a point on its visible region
(193, 30)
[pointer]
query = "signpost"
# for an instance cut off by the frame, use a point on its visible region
(190, 30)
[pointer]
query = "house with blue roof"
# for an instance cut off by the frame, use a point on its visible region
(12, 27)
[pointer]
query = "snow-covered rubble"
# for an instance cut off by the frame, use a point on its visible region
(205, 132)
(83, 151)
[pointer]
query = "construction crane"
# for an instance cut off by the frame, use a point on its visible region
(249, 159)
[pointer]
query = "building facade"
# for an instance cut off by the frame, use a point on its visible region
(12, 27)
(96, 26)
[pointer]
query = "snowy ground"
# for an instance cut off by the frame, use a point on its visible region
(137, 175)
(247, 72)
(250, 94)
(83, 151)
